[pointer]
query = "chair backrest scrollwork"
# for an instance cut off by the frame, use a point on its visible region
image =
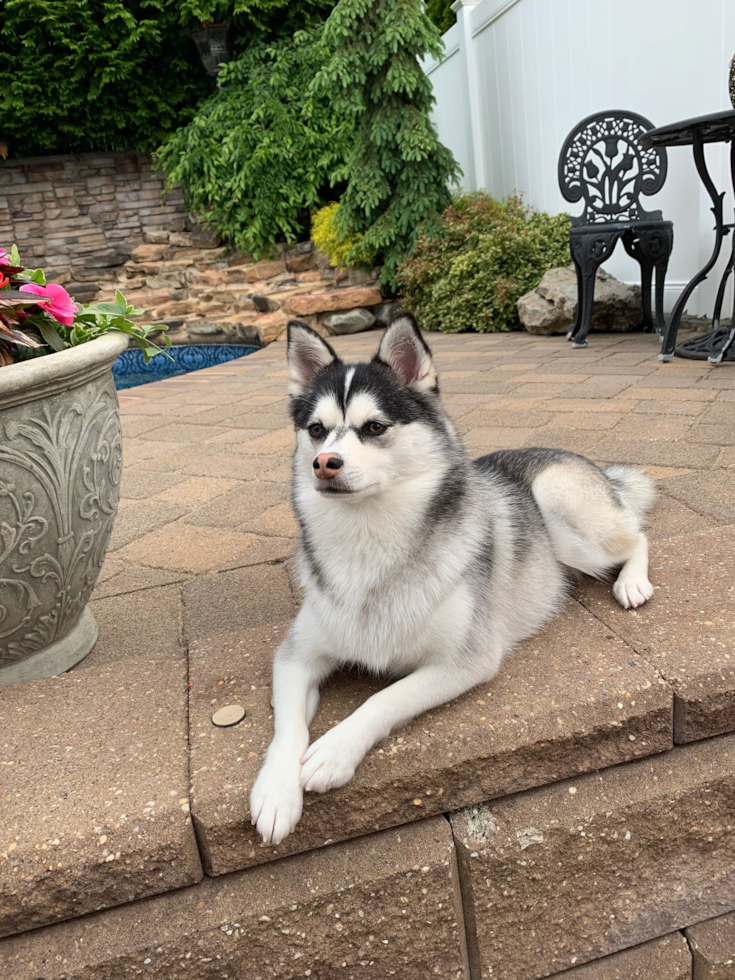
(603, 163)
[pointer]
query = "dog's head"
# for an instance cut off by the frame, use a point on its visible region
(364, 428)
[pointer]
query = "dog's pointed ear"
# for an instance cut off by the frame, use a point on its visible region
(307, 354)
(405, 350)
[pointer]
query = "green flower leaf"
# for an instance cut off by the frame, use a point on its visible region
(50, 334)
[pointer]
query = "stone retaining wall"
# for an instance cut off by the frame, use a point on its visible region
(97, 222)
(80, 216)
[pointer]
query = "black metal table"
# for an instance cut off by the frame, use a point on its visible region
(717, 344)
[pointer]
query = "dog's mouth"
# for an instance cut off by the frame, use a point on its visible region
(329, 488)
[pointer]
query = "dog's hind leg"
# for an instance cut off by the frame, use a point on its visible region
(632, 587)
(594, 528)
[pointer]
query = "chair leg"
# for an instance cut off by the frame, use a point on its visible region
(655, 249)
(633, 247)
(575, 326)
(589, 252)
(661, 268)
(646, 277)
(584, 312)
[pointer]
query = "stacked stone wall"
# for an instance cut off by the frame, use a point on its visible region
(79, 217)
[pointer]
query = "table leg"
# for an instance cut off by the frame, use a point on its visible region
(717, 357)
(672, 325)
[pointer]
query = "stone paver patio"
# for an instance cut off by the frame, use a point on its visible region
(115, 786)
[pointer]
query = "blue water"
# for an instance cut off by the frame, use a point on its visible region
(130, 369)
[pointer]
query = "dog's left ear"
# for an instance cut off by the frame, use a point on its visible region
(405, 350)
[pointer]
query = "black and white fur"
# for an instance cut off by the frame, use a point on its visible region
(416, 562)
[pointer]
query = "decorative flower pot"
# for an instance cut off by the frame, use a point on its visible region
(60, 468)
(732, 81)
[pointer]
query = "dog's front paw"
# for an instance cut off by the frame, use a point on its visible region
(632, 592)
(330, 762)
(276, 802)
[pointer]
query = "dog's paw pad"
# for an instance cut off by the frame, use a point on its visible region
(631, 593)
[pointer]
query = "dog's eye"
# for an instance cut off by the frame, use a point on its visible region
(376, 428)
(316, 430)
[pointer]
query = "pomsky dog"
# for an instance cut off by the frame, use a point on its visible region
(416, 562)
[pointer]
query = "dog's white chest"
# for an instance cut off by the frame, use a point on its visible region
(392, 626)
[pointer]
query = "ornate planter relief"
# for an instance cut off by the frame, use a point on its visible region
(60, 470)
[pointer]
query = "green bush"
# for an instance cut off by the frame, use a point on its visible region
(487, 254)
(95, 74)
(441, 13)
(397, 171)
(271, 18)
(325, 238)
(258, 156)
(80, 75)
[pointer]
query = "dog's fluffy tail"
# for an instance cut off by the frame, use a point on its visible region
(636, 490)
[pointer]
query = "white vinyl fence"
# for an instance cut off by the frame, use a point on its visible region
(517, 75)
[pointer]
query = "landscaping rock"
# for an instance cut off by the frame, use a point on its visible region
(147, 253)
(172, 324)
(181, 238)
(300, 258)
(82, 292)
(552, 307)
(270, 326)
(238, 260)
(265, 270)
(358, 277)
(300, 263)
(334, 299)
(156, 236)
(205, 237)
(384, 314)
(259, 329)
(572, 699)
(352, 321)
(713, 948)
(203, 329)
(568, 873)
(261, 303)
(667, 958)
(300, 248)
(386, 905)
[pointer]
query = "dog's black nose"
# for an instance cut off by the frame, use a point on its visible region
(326, 465)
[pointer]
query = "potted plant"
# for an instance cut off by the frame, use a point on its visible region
(60, 465)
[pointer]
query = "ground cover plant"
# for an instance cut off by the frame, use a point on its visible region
(471, 271)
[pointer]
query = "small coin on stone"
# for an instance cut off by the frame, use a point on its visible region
(231, 714)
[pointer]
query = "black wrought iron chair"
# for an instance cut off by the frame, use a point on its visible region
(603, 164)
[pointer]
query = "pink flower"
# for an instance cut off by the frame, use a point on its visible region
(4, 257)
(59, 305)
